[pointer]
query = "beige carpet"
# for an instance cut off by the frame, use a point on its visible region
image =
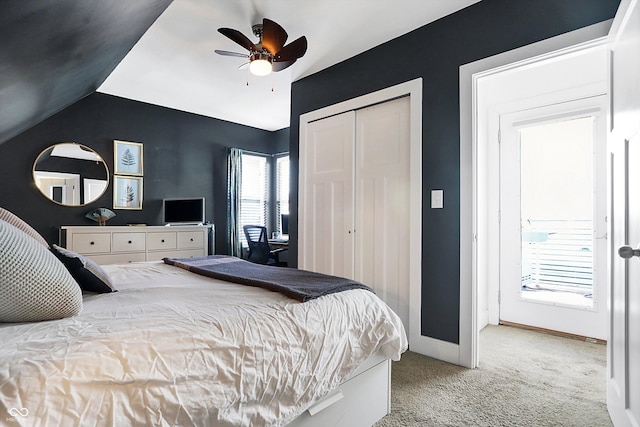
(525, 378)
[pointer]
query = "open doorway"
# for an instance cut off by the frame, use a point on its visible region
(478, 205)
(515, 91)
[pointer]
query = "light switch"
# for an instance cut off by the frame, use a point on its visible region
(437, 199)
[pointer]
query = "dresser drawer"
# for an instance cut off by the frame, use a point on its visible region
(122, 258)
(161, 241)
(176, 253)
(190, 239)
(91, 243)
(128, 242)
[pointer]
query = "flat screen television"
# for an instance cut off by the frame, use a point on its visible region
(284, 220)
(183, 211)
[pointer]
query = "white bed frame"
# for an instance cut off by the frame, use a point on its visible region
(361, 400)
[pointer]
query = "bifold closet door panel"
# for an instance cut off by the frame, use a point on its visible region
(326, 196)
(382, 183)
(354, 199)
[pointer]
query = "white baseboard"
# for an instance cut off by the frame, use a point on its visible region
(483, 319)
(437, 349)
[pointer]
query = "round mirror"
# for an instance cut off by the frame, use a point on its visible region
(70, 174)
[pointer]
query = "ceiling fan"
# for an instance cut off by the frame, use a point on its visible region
(270, 53)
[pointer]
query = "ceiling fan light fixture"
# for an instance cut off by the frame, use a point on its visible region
(270, 54)
(260, 67)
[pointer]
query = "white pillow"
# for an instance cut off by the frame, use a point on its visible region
(14, 220)
(34, 284)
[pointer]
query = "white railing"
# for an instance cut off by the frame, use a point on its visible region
(564, 258)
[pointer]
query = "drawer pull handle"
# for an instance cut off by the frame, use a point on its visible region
(92, 243)
(324, 404)
(162, 240)
(129, 241)
(191, 239)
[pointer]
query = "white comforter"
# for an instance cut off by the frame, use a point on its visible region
(172, 348)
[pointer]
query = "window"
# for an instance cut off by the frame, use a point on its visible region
(282, 189)
(253, 194)
(557, 211)
(258, 203)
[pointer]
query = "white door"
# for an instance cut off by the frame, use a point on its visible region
(362, 230)
(382, 202)
(326, 198)
(623, 349)
(552, 217)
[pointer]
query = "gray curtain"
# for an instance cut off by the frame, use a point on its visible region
(234, 184)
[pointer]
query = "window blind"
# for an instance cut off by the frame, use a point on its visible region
(282, 188)
(253, 194)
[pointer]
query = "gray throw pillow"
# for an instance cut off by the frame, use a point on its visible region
(89, 275)
(34, 284)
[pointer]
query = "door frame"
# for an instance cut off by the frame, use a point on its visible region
(591, 103)
(413, 89)
(472, 207)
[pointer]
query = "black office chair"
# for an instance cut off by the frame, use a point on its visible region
(259, 250)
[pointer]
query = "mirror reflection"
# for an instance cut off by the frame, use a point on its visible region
(70, 174)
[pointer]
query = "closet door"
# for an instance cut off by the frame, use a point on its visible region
(382, 202)
(326, 196)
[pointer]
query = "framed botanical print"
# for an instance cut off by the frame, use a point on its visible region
(127, 158)
(127, 192)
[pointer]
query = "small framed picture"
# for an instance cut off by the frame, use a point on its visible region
(127, 158)
(127, 192)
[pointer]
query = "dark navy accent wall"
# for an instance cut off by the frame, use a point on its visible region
(54, 53)
(279, 142)
(435, 52)
(184, 156)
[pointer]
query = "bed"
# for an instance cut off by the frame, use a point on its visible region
(175, 348)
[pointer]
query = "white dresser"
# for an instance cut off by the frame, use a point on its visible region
(122, 244)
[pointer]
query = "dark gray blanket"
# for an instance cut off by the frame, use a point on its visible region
(297, 284)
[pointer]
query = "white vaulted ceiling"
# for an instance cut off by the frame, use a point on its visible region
(174, 64)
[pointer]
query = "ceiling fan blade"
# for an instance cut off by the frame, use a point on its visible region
(239, 38)
(244, 66)
(273, 36)
(294, 50)
(227, 53)
(279, 66)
